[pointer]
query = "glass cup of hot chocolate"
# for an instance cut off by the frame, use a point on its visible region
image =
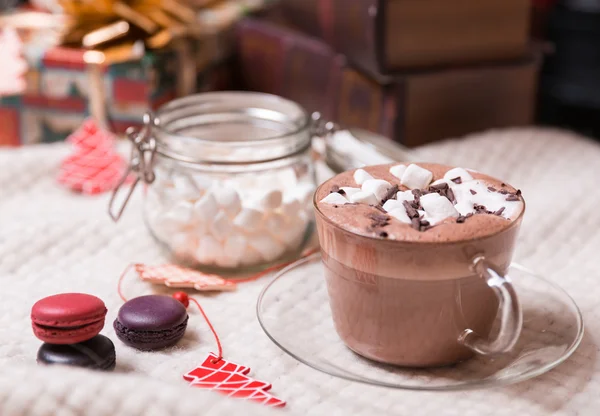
(415, 260)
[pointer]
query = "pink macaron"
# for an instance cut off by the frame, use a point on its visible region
(68, 318)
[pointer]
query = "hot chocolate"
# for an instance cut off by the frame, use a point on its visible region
(398, 243)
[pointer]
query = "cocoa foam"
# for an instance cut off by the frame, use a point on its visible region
(359, 217)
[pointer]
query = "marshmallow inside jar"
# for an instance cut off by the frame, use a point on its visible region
(234, 181)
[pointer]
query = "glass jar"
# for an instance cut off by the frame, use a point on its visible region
(228, 179)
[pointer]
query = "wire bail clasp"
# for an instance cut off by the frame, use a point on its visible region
(321, 127)
(141, 163)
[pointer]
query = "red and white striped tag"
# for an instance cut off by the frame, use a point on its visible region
(232, 380)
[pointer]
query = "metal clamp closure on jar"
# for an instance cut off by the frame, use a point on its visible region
(141, 163)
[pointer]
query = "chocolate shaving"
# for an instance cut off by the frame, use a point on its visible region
(457, 180)
(379, 220)
(472, 192)
(383, 234)
(341, 192)
(410, 210)
(378, 217)
(416, 224)
(503, 191)
(390, 194)
(417, 194)
(491, 189)
(480, 209)
(450, 196)
(334, 189)
(379, 208)
(503, 184)
(439, 187)
(444, 190)
(463, 218)
(419, 224)
(514, 196)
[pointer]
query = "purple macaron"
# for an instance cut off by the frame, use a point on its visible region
(151, 322)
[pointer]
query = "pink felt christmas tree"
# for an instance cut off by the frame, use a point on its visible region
(95, 166)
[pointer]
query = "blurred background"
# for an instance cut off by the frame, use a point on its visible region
(414, 71)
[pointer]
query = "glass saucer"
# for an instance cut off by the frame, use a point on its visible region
(293, 310)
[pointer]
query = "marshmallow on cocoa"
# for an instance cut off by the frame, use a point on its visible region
(335, 199)
(400, 214)
(416, 177)
(349, 191)
(361, 176)
(437, 208)
(458, 175)
(398, 171)
(363, 197)
(377, 187)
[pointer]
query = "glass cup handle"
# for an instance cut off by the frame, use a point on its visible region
(511, 316)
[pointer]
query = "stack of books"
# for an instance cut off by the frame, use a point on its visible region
(413, 70)
(570, 86)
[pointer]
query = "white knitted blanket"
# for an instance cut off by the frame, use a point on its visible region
(54, 241)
